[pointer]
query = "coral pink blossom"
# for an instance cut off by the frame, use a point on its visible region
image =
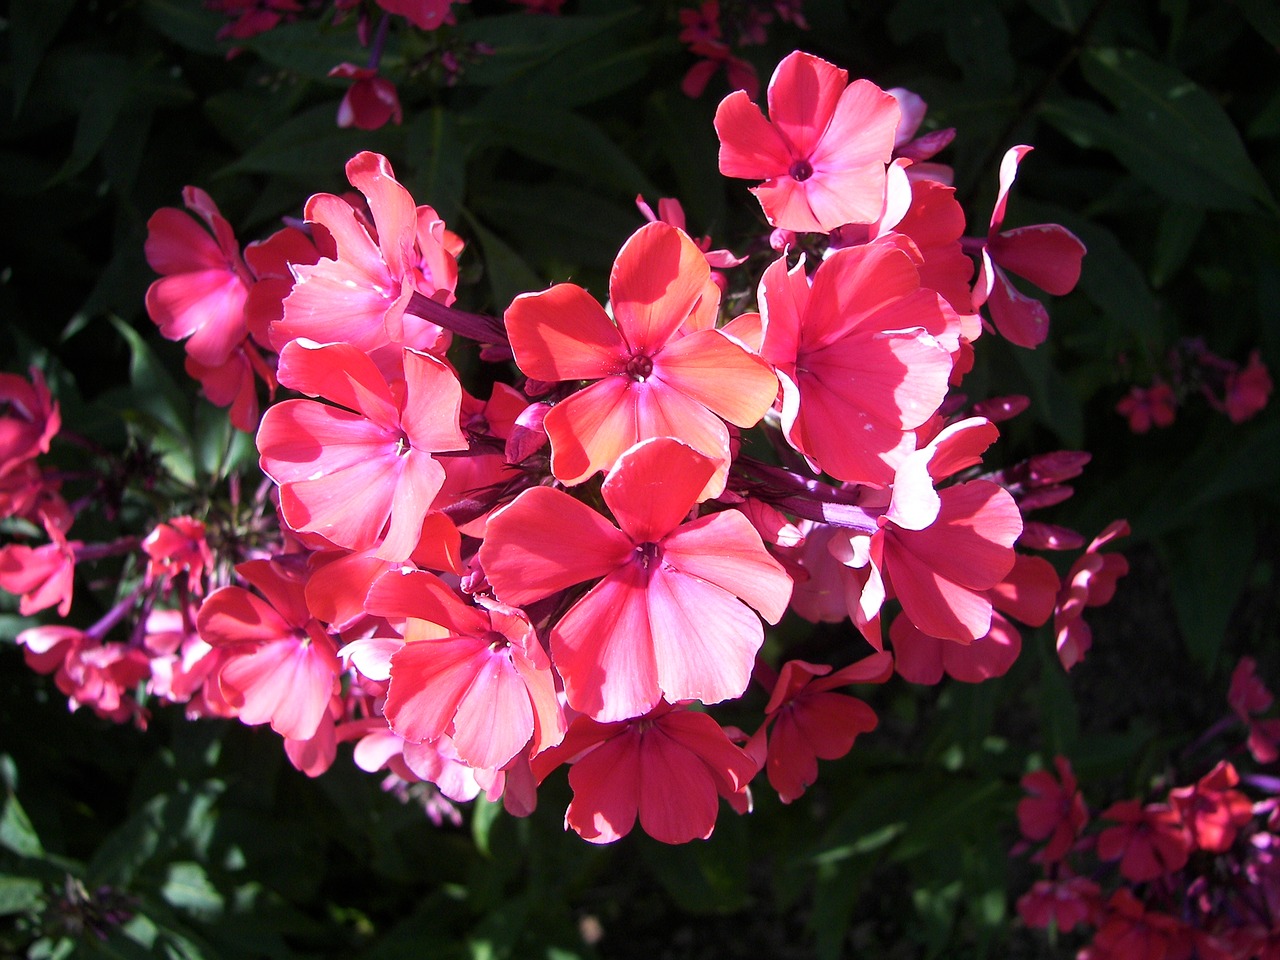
(486, 682)
(1047, 254)
(672, 615)
(651, 377)
(1247, 390)
(42, 576)
(823, 151)
(1212, 810)
(370, 102)
(810, 722)
(29, 419)
(1144, 408)
(204, 283)
(1091, 582)
(364, 475)
(176, 546)
(1148, 841)
(359, 294)
(423, 14)
(857, 364)
(281, 667)
(667, 768)
(1054, 812)
(1063, 904)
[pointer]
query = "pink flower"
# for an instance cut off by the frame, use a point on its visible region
(672, 615)
(1149, 841)
(856, 357)
(1064, 904)
(280, 666)
(423, 14)
(362, 475)
(811, 722)
(659, 367)
(29, 419)
(1213, 811)
(1054, 812)
(371, 100)
(822, 153)
(1156, 405)
(176, 546)
(360, 294)
(1047, 254)
(482, 678)
(668, 768)
(204, 283)
(715, 54)
(1247, 390)
(41, 576)
(1091, 582)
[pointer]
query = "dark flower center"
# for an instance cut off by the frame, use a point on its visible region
(801, 170)
(639, 368)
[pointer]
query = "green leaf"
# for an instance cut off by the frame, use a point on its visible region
(1263, 16)
(509, 275)
(1171, 133)
(564, 140)
(522, 44)
(32, 26)
(1115, 284)
(1066, 15)
(191, 25)
(16, 832)
(187, 888)
(434, 141)
(1179, 227)
(483, 815)
(19, 895)
(312, 145)
(710, 877)
(1055, 403)
(307, 48)
(154, 391)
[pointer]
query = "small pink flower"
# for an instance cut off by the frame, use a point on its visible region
(1144, 408)
(1064, 904)
(371, 100)
(1148, 841)
(1091, 582)
(176, 546)
(823, 151)
(29, 419)
(1054, 812)
(1247, 390)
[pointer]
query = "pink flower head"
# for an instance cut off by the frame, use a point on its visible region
(29, 419)
(176, 546)
(715, 54)
(1091, 582)
(1062, 904)
(823, 151)
(659, 367)
(1147, 407)
(482, 678)
(371, 100)
(360, 294)
(672, 616)
(363, 473)
(1148, 841)
(856, 356)
(280, 665)
(233, 383)
(1047, 254)
(1054, 812)
(423, 14)
(811, 722)
(1212, 809)
(204, 283)
(41, 576)
(1247, 390)
(667, 768)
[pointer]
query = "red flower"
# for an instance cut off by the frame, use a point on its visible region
(668, 768)
(823, 151)
(1055, 811)
(371, 100)
(29, 419)
(1212, 811)
(1247, 390)
(1149, 841)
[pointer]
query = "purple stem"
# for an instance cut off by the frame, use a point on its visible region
(379, 41)
(476, 326)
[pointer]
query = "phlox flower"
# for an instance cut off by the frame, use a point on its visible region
(1128, 931)
(178, 545)
(854, 352)
(423, 14)
(809, 721)
(370, 102)
(822, 153)
(280, 665)
(1063, 904)
(672, 615)
(1212, 809)
(1054, 812)
(87, 671)
(42, 576)
(1247, 390)
(1148, 841)
(364, 475)
(482, 677)
(1147, 407)
(233, 383)
(29, 419)
(1047, 254)
(360, 294)
(1247, 697)
(659, 367)
(667, 768)
(204, 282)
(1091, 582)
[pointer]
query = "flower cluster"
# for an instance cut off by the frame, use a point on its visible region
(1192, 369)
(476, 590)
(1193, 874)
(713, 29)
